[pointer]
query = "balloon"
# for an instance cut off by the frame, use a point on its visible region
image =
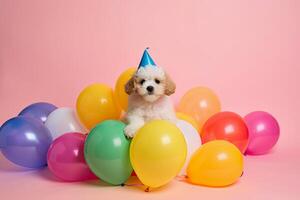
(158, 152)
(106, 152)
(66, 158)
(263, 132)
(38, 111)
(200, 103)
(188, 119)
(95, 104)
(192, 139)
(226, 126)
(216, 163)
(120, 94)
(25, 141)
(63, 120)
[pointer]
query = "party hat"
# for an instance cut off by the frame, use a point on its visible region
(146, 59)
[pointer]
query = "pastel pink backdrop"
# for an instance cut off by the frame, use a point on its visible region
(246, 51)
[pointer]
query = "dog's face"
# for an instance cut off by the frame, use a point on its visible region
(150, 83)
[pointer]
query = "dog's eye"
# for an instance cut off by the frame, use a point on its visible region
(157, 81)
(142, 81)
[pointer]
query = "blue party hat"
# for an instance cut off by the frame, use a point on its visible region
(146, 59)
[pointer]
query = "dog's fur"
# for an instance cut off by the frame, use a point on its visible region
(144, 105)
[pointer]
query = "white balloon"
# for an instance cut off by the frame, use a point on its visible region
(63, 120)
(193, 141)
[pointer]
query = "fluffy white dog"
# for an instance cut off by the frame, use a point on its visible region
(148, 91)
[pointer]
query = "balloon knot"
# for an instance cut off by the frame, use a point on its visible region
(147, 189)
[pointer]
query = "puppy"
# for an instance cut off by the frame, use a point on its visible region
(148, 91)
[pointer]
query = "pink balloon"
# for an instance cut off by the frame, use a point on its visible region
(263, 132)
(66, 158)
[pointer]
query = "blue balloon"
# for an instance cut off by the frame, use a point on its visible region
(25, 141)
(38, 111)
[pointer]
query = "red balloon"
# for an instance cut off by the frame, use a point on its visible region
(66, 158)
(226, 126)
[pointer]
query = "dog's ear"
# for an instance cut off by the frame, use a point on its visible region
(130, 86)
(170, 86)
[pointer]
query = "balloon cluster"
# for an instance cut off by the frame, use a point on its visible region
(206, 146)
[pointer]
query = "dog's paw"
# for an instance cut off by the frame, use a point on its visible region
(130, 131)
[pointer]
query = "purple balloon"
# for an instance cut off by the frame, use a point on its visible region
(38, 111)
(25, 141)
(263, 132)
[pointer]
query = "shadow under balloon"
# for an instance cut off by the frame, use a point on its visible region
(268, 153)
(47, 175)
(96, 183)
(99, 183)
(133, 183)
(7, 166)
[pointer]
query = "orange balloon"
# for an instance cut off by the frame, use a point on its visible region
(200, 103)
(216, 163)
(120, 95)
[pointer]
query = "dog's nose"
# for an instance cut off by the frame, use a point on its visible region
(150, 88)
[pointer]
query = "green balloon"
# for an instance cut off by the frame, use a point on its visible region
(106, 152)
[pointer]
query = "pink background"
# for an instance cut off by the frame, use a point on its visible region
(246, 51)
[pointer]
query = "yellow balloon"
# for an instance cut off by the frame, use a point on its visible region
(157, 152)
(96, 103)
(120, 94)
(216, 163)
(188, 119)
(200, 103)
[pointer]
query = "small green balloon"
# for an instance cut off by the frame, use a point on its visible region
(106, 152)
